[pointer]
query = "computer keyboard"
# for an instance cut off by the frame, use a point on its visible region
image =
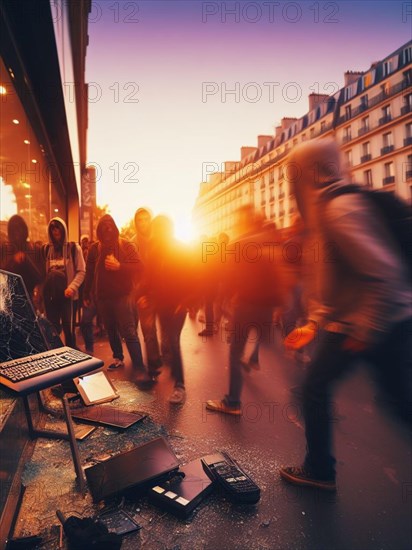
(40, 363)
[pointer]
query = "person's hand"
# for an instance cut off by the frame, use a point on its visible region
(111, 263)
(142, 302)
(69, 292)
(19, 257)
(301, 336)
(354, 345)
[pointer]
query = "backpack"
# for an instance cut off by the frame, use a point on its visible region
(395, 212)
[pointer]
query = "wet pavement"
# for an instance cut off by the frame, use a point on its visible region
(371, 510)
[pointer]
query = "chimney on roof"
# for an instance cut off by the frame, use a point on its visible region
(262, 140)
(287, 121)
(316, 99)
(352, 76)
(246, 151)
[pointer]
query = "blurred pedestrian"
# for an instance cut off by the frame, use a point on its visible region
(170, 287)
(146, 308)
(361, 304)
(255, 286)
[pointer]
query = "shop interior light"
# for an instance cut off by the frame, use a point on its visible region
(26, 185)
(15, 121)
(34, 161)
(3, 90)
(56, 209)
(27, 142)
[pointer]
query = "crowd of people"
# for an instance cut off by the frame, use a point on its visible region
(353, 297)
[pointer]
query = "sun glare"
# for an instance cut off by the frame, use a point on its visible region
(184, 231)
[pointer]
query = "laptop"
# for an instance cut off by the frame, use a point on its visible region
(135, 469)
(107, 415)
(27, 364)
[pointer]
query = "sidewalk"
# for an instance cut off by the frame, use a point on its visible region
(370, 510)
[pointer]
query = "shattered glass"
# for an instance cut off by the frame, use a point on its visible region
(20, 334)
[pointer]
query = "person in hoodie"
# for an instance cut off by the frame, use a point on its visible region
(19, 255)
(112, 268)
(360, 306)
(145, 308)
(65, 271)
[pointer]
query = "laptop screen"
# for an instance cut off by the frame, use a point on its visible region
(20, 333)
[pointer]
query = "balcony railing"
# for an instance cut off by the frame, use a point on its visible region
(406, 109)
(387, 149)
(388, 180)
(365, 158)
(407, 141)
(363, 130)
(346, 138)
(385, 119)
(408, 174)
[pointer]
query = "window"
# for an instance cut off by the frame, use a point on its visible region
(407, 77)
(386, 111)
(407, 55)
(388, 169)
(408, 173)
(387, 139)
(389, 173)
(348, 112)
(366, 148)
(295, 142)
(385, 88)
(408, 134)
(347, 134)
(312, 133)
(364, 102)
(322, 126)
(348, 157)
(386, 115)
(303, 137)
(364, 126)
(367, 178)
(407, 104)
(386, 68)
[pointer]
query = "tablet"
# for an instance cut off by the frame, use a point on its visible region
(95, 388)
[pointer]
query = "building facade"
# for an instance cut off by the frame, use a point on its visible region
(43, 108)
(371, 117)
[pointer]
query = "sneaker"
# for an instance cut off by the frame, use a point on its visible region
(117, 364)
(297, 475)
(223, 407)
(178, 396)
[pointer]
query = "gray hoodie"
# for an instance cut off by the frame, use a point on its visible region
(75, 271)
(359, 285)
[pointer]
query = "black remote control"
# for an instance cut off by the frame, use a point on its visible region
(238, 485)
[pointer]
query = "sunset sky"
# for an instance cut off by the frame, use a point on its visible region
(150, 64)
